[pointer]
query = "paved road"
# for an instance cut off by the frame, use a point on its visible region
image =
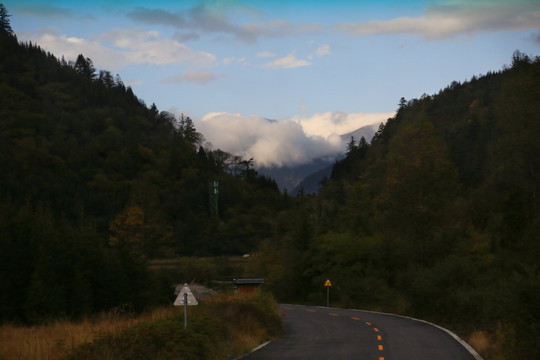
(338, 334)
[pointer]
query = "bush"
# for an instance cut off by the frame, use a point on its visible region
(224, 327)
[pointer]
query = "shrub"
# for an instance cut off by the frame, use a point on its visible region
(221, 328)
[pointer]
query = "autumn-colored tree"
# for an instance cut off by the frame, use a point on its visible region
(127, 229)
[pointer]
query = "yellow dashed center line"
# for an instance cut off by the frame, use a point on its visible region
(379, 337)
(311, 310)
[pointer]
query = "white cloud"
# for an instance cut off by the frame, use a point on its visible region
(70, 47)
(279, 28)
(338, 122)
(231, 60)
(270, 143)
(199, 77)
(119, 48)
(323, 50)
(221, 17)
(141, 46)
(288, 62)
(265, 54)
(448, 19)
(293, 141)
(185, 37)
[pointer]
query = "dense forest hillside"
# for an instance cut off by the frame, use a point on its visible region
(93, 183)
(437, 218)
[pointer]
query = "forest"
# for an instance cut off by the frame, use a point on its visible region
(93, 183)
(436, 217)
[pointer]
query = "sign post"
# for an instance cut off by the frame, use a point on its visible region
(185, 311)
(328, 285)
(186, 298)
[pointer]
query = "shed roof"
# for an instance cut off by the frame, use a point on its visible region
(248, 281)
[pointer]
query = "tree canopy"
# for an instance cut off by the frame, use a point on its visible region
(437, 218)
(93, 183)
(5, 25)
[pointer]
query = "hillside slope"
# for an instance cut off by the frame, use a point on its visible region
(437, 218)
(93, 183)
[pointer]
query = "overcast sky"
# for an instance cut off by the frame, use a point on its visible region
(320, 68)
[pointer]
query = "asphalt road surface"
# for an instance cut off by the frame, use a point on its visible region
(339, 334)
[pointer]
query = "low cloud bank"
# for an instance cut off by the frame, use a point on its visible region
(287, 142)
(338, 122)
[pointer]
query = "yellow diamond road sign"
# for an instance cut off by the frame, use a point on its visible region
(327, 283)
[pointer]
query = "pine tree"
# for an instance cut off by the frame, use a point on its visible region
(85, 66)
(351, 146)
(363, 144)
(420, 182)
(188, 131)
(4, 20)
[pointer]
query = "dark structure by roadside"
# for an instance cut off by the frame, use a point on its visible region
(248, 286)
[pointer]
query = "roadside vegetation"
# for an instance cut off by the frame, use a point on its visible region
(58, 338)
(223, 327)
(220, 328)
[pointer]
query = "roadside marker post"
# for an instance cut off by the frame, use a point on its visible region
(328, 285)
(186, 298)
(185, 311)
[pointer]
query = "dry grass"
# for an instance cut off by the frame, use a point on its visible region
(488, 344)
(222, 327)
(57, 339)
(244, 320)
(480, 341)
(246, 328)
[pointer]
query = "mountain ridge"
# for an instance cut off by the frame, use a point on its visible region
(307, 177)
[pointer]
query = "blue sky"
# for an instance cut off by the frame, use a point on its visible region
(320, 68)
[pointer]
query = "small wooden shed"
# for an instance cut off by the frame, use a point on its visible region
(248, 286)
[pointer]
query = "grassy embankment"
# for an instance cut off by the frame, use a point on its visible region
(223, 327)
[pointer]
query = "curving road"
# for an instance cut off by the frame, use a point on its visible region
(340, 334)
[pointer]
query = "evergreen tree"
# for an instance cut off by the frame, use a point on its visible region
(379, 133)
(363, 144)
(420, 182)
(402, 104)
(106, 78)
(105, 166)
(351, 146)
(85, 67)
(520, 59)
(5, 25)
(187, 130)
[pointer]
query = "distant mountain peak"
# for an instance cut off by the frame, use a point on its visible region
(366, 131)
(309, 176)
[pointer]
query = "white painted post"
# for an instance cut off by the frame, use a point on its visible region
(185, 311)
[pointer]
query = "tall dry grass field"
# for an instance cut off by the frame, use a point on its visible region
(59, 338)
